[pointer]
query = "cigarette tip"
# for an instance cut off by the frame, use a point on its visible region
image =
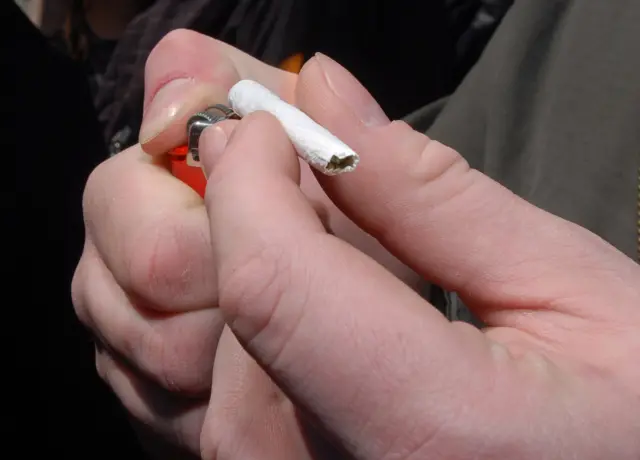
(339, 165)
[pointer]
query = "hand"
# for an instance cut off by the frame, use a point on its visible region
(554, 376)
(146, 284)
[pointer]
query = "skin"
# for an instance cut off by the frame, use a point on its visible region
(214, 316)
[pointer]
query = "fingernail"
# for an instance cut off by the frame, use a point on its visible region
(213, 142)
(164, 107)
(347, 88)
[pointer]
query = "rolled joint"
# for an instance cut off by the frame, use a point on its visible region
(315, 144)
(339, 165)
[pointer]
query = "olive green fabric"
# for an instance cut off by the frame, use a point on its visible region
(552, 111)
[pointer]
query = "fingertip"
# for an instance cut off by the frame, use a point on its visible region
(254, 191)
(310, 67)
(187, 54)
(259, 144)
(166, 128)
(213, 142)
(312, 92)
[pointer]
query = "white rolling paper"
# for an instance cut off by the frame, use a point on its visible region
(314, 143)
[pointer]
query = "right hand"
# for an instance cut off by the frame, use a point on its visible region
(145, 284)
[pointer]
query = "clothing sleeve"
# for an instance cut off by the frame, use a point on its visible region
(50, 143)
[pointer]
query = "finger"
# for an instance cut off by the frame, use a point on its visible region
(332, 218)
(453, 224)
(176, 351)
(248, 415)
(176, 419)
(332, 327)
(188, 71)
(152, 233)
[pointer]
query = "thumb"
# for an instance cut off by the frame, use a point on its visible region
(383, 373)
(336, 331)
(454, 225)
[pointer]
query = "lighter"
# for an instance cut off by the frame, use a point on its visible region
(185, 160)
(314, 143)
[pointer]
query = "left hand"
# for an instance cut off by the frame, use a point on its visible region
(145, 284)
(554, 376)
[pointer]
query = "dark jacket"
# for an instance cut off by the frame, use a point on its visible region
(552, 111)
(371, 39)
(55, 402)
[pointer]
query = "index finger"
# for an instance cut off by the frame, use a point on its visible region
(337, 331)
(208, 68)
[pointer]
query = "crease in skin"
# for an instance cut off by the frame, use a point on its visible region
(313, 100)
(174, 133)
(166, 83)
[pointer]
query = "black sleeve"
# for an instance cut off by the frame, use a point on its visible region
(51, 142)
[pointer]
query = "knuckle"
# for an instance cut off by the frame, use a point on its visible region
(426, 175)
(427, 160)
(441, 174)
(424, 159)
(163, 258)
(152, 351)
(167, 262)
(181, 361)
(433, 175)
(437, 160)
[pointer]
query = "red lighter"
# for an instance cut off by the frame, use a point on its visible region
(185, 160)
